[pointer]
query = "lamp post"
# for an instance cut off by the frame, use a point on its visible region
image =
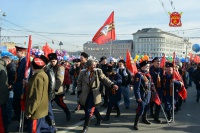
(4, 15)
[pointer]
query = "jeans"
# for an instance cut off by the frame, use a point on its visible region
(125, 92)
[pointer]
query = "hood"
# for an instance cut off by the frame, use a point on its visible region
(2, 62)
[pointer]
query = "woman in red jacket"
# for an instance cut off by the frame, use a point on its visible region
(67, 79)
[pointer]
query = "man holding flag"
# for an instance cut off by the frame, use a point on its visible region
(167, 84)
(156, 74)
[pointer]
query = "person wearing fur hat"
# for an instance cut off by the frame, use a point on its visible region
(37, 99)
(59, 89)
(88, 91)
(126, 82)
(114, 95)
(74, 72)
(103, 89)
(51, 90)
(167, 84)
(142, 91)
(156, 74)
(84, 57)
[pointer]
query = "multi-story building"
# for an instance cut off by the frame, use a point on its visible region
(115, 49)
(155, 42)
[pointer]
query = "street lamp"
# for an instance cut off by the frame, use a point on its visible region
(4, 15)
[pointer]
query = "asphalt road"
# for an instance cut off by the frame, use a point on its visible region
(186, 120)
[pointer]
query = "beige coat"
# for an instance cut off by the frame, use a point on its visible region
(84, 85)
(59, 75)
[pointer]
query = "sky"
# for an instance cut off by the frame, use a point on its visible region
(74, 22)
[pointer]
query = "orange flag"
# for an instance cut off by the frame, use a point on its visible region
(129, 65)
(107, 32)
(156, 98)
(162, 63)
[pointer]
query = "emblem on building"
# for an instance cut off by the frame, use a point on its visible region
(175, 19)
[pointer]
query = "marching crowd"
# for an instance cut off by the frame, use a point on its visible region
(49, 80)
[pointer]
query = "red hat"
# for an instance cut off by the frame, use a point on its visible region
(38, 63)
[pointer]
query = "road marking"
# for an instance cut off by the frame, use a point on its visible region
(81, 122)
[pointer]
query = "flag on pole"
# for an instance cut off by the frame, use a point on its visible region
(107, 32)
(23, 97)
(129, 65)
(156, 98)
(163, 60)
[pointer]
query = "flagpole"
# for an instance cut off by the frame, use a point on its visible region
(111, 48)
(173, 102)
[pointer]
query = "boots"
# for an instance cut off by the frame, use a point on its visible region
(99, 119)
(144, 119)
(86, 125)
(137, 117)
(106, 118)
(169, 116)
(156, 117)
(151, 109)
(118, 111)
(68, 114)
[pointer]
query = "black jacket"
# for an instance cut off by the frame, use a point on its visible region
(11, 70)
(197, 77)
(52, 83)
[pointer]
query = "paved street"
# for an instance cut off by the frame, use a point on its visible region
(186, 120)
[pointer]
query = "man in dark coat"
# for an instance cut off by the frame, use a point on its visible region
(3, 97)
(18, 85)
(11, 70)
(142, 91)
(156, 74)
(197, 81)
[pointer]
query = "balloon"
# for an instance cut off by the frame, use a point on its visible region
(183, 60)
(65, 58)
(135, 60)
(137, 56)
(196, 47)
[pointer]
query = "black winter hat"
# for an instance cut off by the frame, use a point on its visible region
(38, 63)
(45, 59)
(143, 63)
(52, 56)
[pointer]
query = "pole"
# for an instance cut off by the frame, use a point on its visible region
(0, 35)
(111, 49)
(173, 103)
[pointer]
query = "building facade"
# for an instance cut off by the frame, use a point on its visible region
(155, 42)
(116, 49)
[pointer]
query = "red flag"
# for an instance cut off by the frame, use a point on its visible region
(156, 98)
(134, 68)
(23, 97)
(162, 63)
(46, 50)
(107, 32)
(128, 61)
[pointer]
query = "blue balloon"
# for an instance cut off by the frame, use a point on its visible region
(196, 47)
(186, 60)
(183, 60)
(65, 58)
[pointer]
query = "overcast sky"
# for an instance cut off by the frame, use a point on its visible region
(80, 19)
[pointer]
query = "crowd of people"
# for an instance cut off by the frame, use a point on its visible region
(91, 80)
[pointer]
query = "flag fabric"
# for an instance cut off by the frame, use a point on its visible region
(196, 59)
(129, 65)
(163, 60)
(156, 98)
(107, 32)
(23, 97)
(47, 50)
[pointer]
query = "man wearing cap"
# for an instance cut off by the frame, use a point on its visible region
(74, 72)
(59, 89)
(88, 91)
(126, 82)
(103, 67)
(37, 99)
(167, 84)
(51, 90)
(156, 74)
(142, 91)
(19, 77)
